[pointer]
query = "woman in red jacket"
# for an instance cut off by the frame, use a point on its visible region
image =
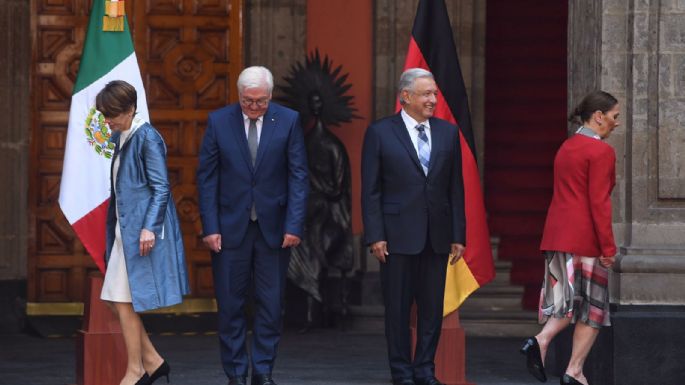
(578, 241)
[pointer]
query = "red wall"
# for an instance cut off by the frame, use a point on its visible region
(342, 30)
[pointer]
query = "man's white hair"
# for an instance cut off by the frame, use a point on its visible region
(255, 77)
(407, 80)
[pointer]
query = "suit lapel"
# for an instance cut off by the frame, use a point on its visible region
(268, 128)
(237, 125)
(401, 131)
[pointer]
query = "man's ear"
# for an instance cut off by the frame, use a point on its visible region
(404, 97)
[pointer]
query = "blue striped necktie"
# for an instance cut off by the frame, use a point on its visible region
(424, 148)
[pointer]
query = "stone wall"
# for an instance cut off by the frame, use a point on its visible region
(15, 46)
(636, 51)
(643, 60)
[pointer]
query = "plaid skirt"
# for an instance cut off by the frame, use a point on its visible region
(575, 287)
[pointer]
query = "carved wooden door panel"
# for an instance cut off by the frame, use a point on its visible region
(190, 54)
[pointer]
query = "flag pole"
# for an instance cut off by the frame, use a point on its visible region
(100, 350)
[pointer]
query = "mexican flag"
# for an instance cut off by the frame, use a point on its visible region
(85, 187)
(431, 47)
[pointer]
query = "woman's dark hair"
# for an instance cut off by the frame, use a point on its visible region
(594, 101)
(116, 98)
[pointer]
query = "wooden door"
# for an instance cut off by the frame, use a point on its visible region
(190, 54)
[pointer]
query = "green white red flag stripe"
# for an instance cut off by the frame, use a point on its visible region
(85, 184)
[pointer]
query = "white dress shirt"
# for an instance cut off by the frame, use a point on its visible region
(411, 124)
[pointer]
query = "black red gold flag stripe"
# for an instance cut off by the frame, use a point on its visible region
(432, 47)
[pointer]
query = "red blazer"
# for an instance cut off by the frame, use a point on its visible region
(579, 217)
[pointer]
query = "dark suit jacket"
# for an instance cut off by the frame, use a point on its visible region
(228, 183)
(579, 217)
(400, 204)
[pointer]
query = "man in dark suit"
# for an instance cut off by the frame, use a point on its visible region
(252, 182)
(413, 212)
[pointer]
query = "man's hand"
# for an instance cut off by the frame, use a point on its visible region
(379, 250)
(607, 261)
(213, 241)
(457, 251)
(147, 241)
(290, 240)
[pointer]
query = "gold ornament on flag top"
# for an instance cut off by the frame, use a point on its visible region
(115, 11)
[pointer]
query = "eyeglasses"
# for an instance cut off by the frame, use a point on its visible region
(259, 102)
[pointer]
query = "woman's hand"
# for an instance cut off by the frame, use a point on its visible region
(147, 241)
(607, 261)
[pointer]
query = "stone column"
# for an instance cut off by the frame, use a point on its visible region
(15, 55)
(641, 61)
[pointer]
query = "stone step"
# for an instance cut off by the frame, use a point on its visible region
(503, 315)
(497, 289)
(500, 328)
(478, 323)
(494, 304)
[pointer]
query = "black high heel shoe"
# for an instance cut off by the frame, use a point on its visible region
(568, 380)
(145, 380)
(531, 350)
(163, 370)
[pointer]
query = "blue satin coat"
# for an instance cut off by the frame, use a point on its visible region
(144, 200)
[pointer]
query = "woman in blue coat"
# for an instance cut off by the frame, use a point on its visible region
(145, 257)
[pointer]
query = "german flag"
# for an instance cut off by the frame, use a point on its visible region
(432, 48)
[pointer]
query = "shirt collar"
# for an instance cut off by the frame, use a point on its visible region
(245, 118)
(411, 122)
(588, 132)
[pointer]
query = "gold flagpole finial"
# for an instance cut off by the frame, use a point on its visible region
(113, 20)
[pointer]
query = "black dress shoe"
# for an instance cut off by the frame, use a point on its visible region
(427, 381)
(162, 371)
(262, 379)
(240, 380)
(145, 380)
(531, 350)
(568, 380)
(403, 382)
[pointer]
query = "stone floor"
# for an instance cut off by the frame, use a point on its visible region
(320, 357)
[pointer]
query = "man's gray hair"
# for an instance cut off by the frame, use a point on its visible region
(255, 77)
(407, 80)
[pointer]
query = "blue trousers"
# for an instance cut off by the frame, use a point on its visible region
(234, 270)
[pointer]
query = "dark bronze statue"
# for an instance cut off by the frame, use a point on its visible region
(318, 94)
(329, 207)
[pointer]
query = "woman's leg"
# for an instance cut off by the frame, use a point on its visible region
(583, 338)
(552, 327)
(131, 328)
(151, 358)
